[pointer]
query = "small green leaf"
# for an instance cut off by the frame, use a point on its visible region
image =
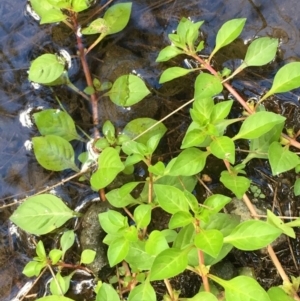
(206, 86)
(87, 256)
(228, 33)
(67, 240)
(112, 221)
(237, 184)
(180, 219)
(41, 214)
(55, 255)
(156, 243)
(46, 69)
(157, 169)
(33, 268)
(54, 153)
(277, 222)
(127, 90)
(223, 148)
(105, 293)
(281, 158)
(109, 165)
(142, 215)
(40, 251)
(221, 110)
(118, 199)
(170, 198)
(209, 241)
(169, 263)
(297, 187)
(203, 296)
(258, 124)
(202, 109)
(97, 26)
(278, 294)
(80, 5)
(168, 53)
(252, 235)
(60, 285)
(55, 122)
(173, 72)
(142, 292)
(117, 251)
(260, 52)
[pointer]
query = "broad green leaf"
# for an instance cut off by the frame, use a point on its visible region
(142, 292)
(286, 79)
(278, 294)
(80, 5)
(97, 26)
(139, 125)
(182, 183)
(221, 110)
(203, 296)
(277, 222)
(57, 298)
(190, 162)
(67, 240)
(33, 268)
(237, 184)
(260, 52)
(180, 219)
(117, 17)
(41, 214)
(55, 122)
(168, 263)
(117, 251)
(40, 251)
(112, 221)
(185, 237)
(258, 124)
(55, 255)
(193, 136)
(142, 215)
(59, 285)
(87, 256)
(173, 72)
(157, 169)
(118, 200)
(156, 243)
(209, 241)
(46, 68)
(127, 90)
(169, 234)
(168, 53)
(223, 148)
(297, 187)
(109, 165)
(54, 153)
(153, 142)
(131, 234)
(252, 235)
(206, 86)
(202, 109)
(228, 33)
(105, 293)
(281, 158)
(191, 200)
(170, 198)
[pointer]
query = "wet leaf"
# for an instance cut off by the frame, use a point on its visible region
(117, 251)
(46, 69)
(206, 86)
(223, 148)
(142, 292)
(127, 90)
(281, 158)
(237, 184)
(173, 72)
(260, 52)
(55, 122)
(258, 124)
(105, 293)
(54, 153)
(169, 263)
(252, 235)
(228, 33)
(41, 214)
(167, 53)
(156, 243)
(109, 165)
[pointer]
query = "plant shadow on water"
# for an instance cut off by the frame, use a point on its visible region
(22, 39)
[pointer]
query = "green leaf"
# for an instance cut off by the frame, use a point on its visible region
(157, 169)
(203, 296)
(55, 255)
(60, 285)
(252, 235)
(142, 215)
(106, 293)
(142, 292)
(55, 122)
(117, 251)
(112, 221)
(281, 158)
(223, 148)
(202, 109)
(117, 17)
(258, 124)
(277, 222)
(228, 33)
(206, 86)
(41, 214)
(87, 256)
(168, 53)
(109, 165)
(297, 187)
(80, 5)
(260, 52)
(185, 237)
(118, 199)
(190, 162)
(170, 198)
(33, 268)
(56, 298)
(97, 26)
(237, 184)
(286, 79)
(54, 153)
(156, 243)
(67, 240)
(168, 263)
(46, 68)
(127, 90)
(278, 294)
(40, 251)
(194, 136)
(221, 110)
(173, 72)
(180, 219)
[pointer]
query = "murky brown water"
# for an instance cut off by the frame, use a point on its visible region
(22, 39)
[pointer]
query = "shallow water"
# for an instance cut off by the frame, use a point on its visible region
(22, 39)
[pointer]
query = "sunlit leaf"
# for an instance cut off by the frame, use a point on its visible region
(237, 184)
(87, 256)
(278, 294)
(206, 86)
(105, 293)
(173, 72)
(142, 292)
(223, 148)
(167, 53)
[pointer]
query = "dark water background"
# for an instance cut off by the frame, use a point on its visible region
(22, 39)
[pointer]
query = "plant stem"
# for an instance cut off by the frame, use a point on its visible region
(169, 288)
